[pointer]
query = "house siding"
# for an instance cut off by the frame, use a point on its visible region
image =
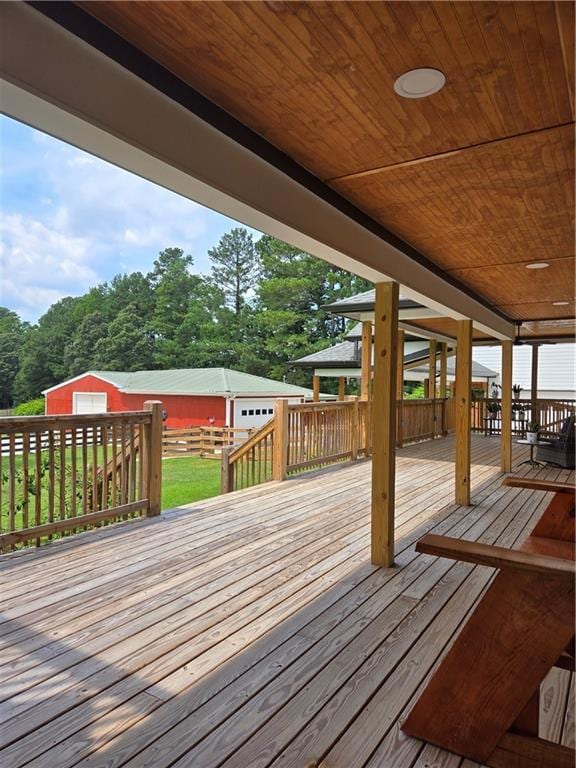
(556, 368)
(182, 410)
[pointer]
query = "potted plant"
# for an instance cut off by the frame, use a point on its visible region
(516, 389)
(518, 411)
(493, 407)
(532, 430)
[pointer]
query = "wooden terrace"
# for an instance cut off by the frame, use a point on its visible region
(252, 629)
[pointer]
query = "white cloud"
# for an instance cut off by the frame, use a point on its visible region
(72, 220)
(39, 265)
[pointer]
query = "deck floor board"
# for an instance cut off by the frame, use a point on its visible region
(252, 629)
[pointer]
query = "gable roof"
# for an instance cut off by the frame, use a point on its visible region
(222, 382)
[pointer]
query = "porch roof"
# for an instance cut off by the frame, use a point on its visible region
(363, 178)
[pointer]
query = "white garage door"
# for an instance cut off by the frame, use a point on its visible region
(89, 402)
(253, 413)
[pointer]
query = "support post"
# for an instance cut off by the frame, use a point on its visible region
(400, 389)
(432, 384)
(506, 437)
(355, 437)
(366, 362)
(534, 410)
(316, 388)
(341, 388)
(152, 457)
(432, 370)
(443, 382)
(463, 415)
(443, 369)
(226, 470)
(384, 422)
(280, 452)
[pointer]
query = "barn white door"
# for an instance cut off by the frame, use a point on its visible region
(89, 402)
(250, 413)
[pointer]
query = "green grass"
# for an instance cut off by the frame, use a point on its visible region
(184, 480)
(188, 479)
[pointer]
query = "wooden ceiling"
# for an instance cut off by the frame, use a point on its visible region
(478, 177)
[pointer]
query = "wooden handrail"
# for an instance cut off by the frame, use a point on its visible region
(239, 451)
(539, 485)
(62, 473)
(495, 557)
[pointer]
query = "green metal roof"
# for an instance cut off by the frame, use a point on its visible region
(198, 381)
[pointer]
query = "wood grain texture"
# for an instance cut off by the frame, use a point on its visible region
(478, 176)
(383, 423)
(506, 423)
(250, 628)
(316, 70)
(463, 419)
(366, 360)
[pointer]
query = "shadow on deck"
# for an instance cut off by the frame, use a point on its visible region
(252, 629)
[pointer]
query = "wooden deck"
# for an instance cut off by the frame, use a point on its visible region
(251, 630)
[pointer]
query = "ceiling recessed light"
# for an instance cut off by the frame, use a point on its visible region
(560, 303)
(418, 83)
(538, 265)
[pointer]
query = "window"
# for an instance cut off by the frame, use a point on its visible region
(270, 411)
(244, 412)
(257, 411)
(251, 412)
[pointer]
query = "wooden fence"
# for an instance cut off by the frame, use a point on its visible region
(201, 441)
(487, 415)
(304, 436)
(66, 473)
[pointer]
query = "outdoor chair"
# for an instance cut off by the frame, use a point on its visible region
(560, 450)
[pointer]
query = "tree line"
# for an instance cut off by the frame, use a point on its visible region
(257, 310)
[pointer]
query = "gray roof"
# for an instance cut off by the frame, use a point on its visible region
(364, 302)
(198, 381)
(341, 355)
(355, 332)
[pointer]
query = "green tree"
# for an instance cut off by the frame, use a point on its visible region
(12, 335)
(80, 353)
(292, 290)
(42, 359)
(235, 266)
(127, 345)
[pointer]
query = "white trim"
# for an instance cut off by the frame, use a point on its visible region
(77, 378)
(106, 110)
(75, 395)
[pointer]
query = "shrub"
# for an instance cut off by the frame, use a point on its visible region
(30, 408)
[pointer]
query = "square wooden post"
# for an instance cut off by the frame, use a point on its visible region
(432, 384)
(366, 361)
(316, 388)
(152, 457)
(463, 415)
(280, 450)
(443, 369)
(384, 423)
(400, 389)
(432, 370)
(534, 409)
(341, 388)
(506, 439)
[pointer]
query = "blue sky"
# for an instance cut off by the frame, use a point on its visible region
(71, 221)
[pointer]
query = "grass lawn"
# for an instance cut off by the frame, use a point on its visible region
(184, 480)
(189, 478)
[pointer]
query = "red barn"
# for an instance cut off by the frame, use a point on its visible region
(191, 397)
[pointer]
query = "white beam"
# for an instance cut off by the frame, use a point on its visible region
(61, 85)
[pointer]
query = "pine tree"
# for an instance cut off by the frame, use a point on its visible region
(235, 266)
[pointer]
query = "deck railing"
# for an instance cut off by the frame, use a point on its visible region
(304, 436)
(67, 473)
(487, 415)
(201, 441)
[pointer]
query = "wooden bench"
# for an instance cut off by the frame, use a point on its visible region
(483, 700)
